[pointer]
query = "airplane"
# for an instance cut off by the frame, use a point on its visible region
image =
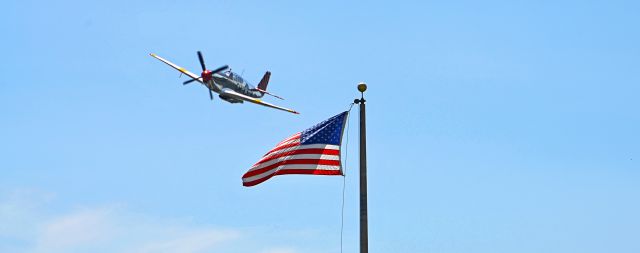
(230, 86)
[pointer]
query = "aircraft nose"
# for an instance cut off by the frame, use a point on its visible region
(206, 75)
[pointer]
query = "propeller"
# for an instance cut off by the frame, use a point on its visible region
(206, 74)
(189, 81)
(201, 61)
(215, 71)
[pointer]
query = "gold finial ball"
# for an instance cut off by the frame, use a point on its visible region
(362, 86)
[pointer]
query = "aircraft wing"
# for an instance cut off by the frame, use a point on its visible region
(231, 93)
(181, 69)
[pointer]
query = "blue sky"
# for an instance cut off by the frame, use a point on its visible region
(494, 126)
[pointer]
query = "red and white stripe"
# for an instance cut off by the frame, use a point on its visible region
(289, 157)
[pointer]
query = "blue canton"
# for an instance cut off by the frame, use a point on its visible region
(326, 132)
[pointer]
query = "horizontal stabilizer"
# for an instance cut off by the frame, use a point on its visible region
(265, 92)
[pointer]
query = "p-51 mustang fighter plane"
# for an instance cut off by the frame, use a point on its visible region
(230, 86)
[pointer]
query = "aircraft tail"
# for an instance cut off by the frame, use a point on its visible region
(264, 82)
(262, 86)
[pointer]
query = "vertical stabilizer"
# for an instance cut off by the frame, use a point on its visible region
(265, 80)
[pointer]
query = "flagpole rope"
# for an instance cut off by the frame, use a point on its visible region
(344, 178)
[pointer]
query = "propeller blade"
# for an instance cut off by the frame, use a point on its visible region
(210, 94)
(215, 71)
(201, 61)
(188, 81)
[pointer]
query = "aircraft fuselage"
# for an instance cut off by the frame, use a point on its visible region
(230, 80)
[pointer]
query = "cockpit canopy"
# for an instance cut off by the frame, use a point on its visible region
(234, 76)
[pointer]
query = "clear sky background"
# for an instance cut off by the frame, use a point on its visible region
(494, 126)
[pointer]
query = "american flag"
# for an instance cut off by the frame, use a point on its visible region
(314, 151)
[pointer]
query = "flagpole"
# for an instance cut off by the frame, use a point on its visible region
(364, 228)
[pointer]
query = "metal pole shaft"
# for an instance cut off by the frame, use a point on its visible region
(364, 229)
